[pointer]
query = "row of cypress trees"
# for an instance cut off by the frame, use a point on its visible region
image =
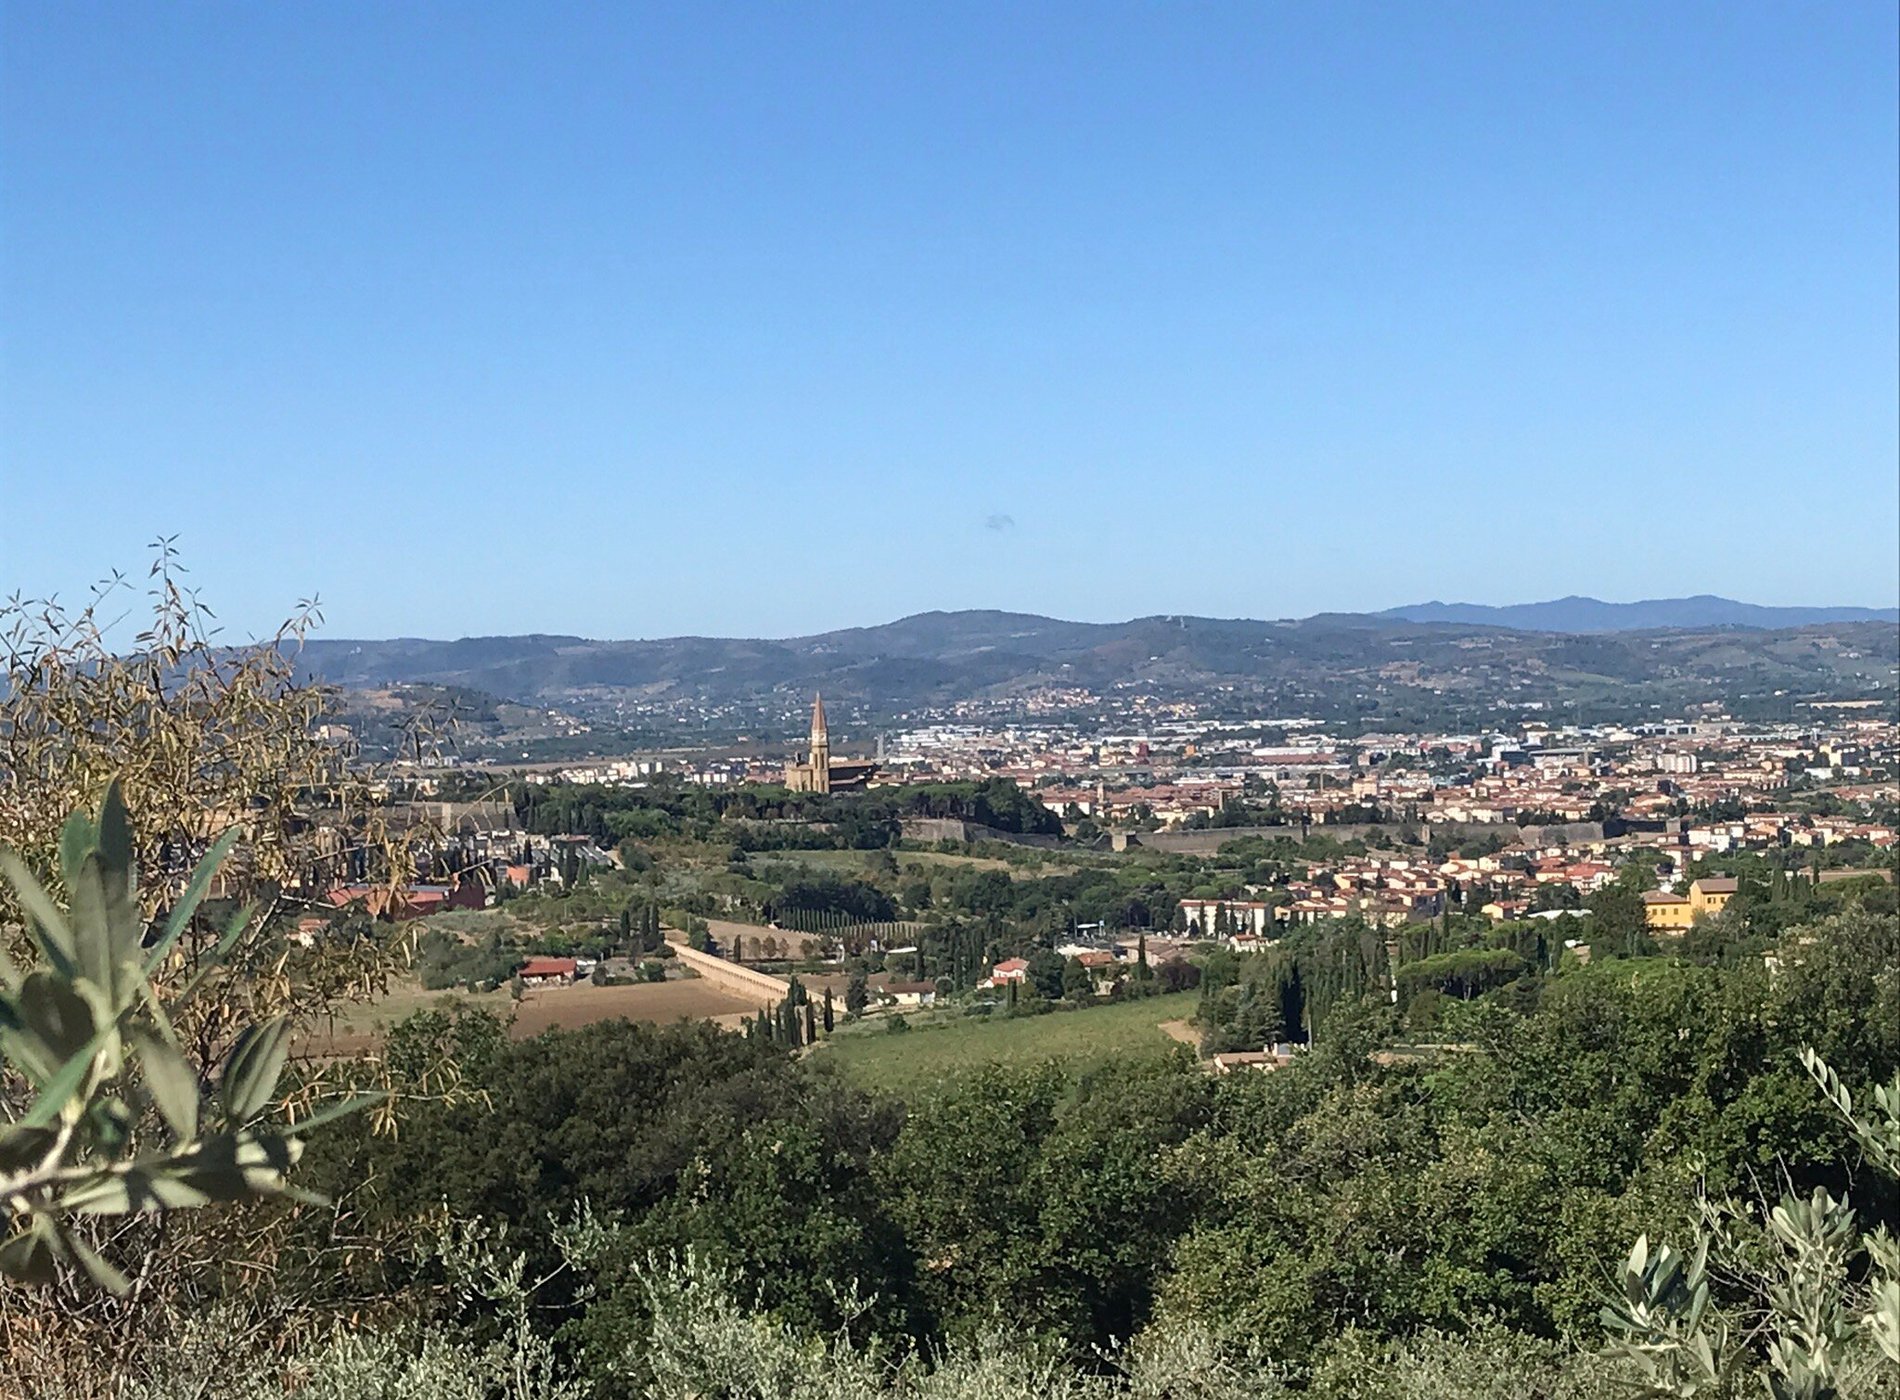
(795, 1021)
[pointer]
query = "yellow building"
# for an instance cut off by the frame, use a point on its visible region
(1664, 910)
(1711, 894)
(1668, 912)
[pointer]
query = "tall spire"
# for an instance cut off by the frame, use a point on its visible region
(820, 762)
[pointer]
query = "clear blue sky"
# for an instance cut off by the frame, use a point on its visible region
(631, 320)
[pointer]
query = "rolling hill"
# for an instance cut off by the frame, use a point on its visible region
(1328, 664)
(1577, 614)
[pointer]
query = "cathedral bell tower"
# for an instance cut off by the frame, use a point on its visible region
(820, 760)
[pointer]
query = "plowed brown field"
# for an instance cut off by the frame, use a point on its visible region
(543, 1008)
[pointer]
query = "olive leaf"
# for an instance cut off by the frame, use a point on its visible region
(251, 1072)
(92, 933)
(73, 1024)
(29, 1257)
(76, 838)
(55, 1015)
(170, 1081)
(55, 939)
(101, 1272)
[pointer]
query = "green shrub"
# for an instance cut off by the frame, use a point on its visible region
(115, 1125)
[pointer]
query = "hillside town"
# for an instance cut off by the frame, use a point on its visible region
(1183, 772)
(1389, 828)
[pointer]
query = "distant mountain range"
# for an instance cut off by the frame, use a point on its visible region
(1574, 614)
(1375, 666)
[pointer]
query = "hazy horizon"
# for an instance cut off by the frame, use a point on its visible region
(124, 613)
(717, 321)
(329, 634)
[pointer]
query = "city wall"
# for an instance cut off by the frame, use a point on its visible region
(953, 829)
(1210, 841)
(747, 982)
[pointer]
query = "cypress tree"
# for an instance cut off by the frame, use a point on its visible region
(828, 1016)
(811, 1025)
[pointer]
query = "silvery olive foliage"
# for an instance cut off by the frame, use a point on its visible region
(705, 1341)
(1809, 1329)
(704, 1338)
(202, 733)
(1487, 1361)
(115, 1118)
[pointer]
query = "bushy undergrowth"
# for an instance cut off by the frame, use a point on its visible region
(703, 1342)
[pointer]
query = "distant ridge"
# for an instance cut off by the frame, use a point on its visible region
(1577, 614)
(1557, 653)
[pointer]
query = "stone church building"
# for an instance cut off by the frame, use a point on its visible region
(819, 773)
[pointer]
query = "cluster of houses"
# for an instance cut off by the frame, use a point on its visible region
(1392, 890)
(1107, 962)
(478, 855)
(1182, 769)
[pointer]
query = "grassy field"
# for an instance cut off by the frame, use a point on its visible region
(935, 1050)
(856, 863)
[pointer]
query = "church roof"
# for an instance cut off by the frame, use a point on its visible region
(818, 714)
(851, 773)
